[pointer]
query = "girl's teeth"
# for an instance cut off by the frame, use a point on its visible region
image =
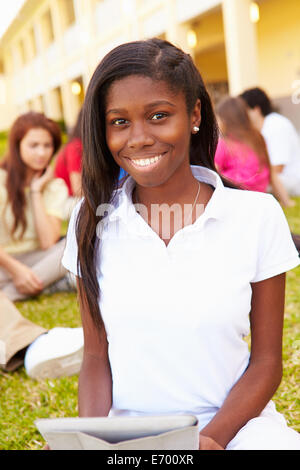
(147, 161)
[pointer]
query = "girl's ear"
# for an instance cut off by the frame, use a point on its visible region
(196, 117)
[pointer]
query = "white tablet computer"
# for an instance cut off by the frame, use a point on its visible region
(176, 432)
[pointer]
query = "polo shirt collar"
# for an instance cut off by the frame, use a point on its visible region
(216, 205)
(125, 209)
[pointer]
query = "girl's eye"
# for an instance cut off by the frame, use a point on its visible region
(158, 116)
(119, 122)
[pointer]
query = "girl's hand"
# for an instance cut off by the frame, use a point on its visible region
(207, 443)
(41, 179)
(25, 280)
(290, 203)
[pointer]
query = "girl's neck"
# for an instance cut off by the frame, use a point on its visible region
(173, 205)
(179, 189)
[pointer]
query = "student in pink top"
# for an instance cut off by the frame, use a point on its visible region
(241, 154)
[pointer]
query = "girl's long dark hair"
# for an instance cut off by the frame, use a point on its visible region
(159, 60)
(16, 168)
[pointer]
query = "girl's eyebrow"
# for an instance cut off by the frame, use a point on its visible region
(148, 106)
(160, 102)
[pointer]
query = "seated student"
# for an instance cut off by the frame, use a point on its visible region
(281, 139)
(167, 298)
(31, 203)
(241, 154)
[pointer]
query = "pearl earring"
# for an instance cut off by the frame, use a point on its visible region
(196, 129)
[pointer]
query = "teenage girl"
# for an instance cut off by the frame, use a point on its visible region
(31, 203)
(175, 267)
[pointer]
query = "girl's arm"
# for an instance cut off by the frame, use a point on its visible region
(48, 227)
(279, 190)
(255, 388)
(95, 382)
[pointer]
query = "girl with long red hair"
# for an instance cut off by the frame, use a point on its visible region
(30, 208)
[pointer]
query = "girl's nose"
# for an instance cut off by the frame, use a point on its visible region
(139, 137)
(41, 150)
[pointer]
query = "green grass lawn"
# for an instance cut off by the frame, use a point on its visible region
(22, 400)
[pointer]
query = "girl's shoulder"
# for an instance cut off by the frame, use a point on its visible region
(252, 205)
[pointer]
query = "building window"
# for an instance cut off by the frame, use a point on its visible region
(22, 53)
(31, 44)
(67, 13)
(28, 47)
(47, 28)
(56, 110)
(40, 104)
(8, 63)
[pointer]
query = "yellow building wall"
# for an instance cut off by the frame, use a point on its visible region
(212, 65)
(209, 30)
(278, 33)
(209, 53)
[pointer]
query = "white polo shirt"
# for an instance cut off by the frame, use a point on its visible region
(176, 315)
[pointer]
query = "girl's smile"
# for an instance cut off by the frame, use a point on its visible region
(146, 163)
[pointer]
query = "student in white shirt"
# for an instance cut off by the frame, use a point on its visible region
(165, 301)
(281, 138)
